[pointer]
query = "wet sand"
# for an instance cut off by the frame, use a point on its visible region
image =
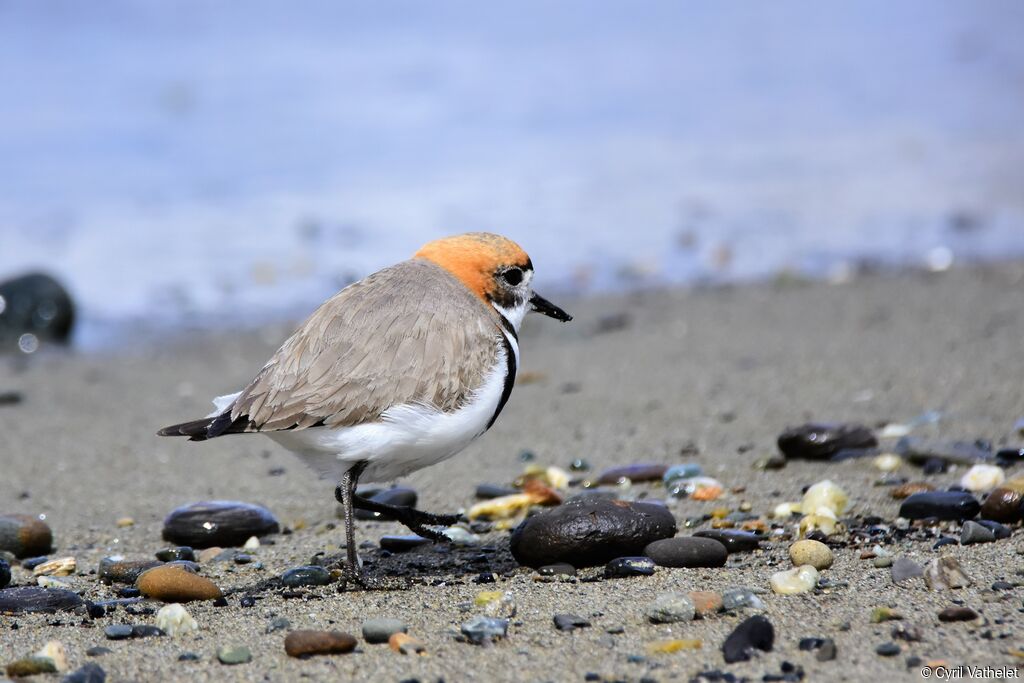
(724, 370)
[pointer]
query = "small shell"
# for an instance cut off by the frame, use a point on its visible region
(785, 510)
(504, 507)
(62, 566)
(822, 521)
(174, 620)
(793, 581)
(982, 478)
(252, 544)
(888, 462)
(825, 494)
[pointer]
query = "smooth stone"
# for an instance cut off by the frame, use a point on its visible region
(755, 633)
(910, 488)
(5, 573)
(944, 573)
(36, 304)
(626, 567)
(741, 598)
(882, 561)
(25, 535)
(687, 551)
(706, 602)
(182, 552)
(557, 569)
(401, 544)
(234, 654)
(90, 673)
(277, 624)
(404, 497)
(310, 575)
(827, 651)
(905, 569)
(306, 643)
(686, 470)
(671, 608)
(734, 540)
(118, 631)
(941, 505)
(796, 580)
(635, 473)
(818, 441)
(146, 631)
(28, 599)
(814, 553)
(919, 451)
(491, 491)
(996, 528)
(173, 583)
(1008, 457)
(31, 666)
(218, 523)
(589, 532)
(957, 613)
(888, 649)
(116, 570)
(972, 533)
(98, 651)
(570, 622)
(379, 630)
(1003, 505)
(462, 538)
(479, 630)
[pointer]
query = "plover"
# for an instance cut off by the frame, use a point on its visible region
(396, 372)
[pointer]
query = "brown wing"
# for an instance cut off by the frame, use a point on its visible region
(408, 333)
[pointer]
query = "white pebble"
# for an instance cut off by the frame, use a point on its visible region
(982, 478)
(252, 544)
(825, 495)
(55, 651)
(888, 462)
(785, 510)
(174, 620)
(460, 537)
(894, 430)
(793, 581)
(823, 520)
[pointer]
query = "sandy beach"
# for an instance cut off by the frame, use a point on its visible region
(709, 376)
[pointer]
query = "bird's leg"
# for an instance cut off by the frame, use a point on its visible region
(412, 518)
(345, 493)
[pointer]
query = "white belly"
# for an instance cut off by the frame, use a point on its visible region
(408, 437)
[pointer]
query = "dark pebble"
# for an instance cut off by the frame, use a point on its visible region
(218, 523)
(755, 633)
(401, 544)
(5, 573)
(558, 569)
(821, 441)
(118, 631)
(124, 571)
(907, 632)
(570, 622)
(919, 450)
(579, 465)
(945, 540)
(11, 398)
(26, 599)
(90, 673)
(35, 304)
(972, 533)
(625, 567)
(182, 552)
(310, 575)
(1003, 505)
(590, 532)
(958, 614)
(404, 497)
(146, 631)
(635, 473)
(247, 601)
(687, 551)
(33, 562)
(188, 657)
(807, 644)
(934, 466)
(827, 651)
(942, 505)
(98, 651)
(490, 491)
(996, 528)
(1003, 586)
(1007, 457)
(734, 540)
(888, 650)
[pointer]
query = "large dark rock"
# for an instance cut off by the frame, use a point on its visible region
(25, 599)
(25, 535)
(943, 505)
(756, 633)
(34, 304)
(218, 523)
(816, 441)
(590, 532)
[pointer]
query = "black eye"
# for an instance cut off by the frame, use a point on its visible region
(513, 276)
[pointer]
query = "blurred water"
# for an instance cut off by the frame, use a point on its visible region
(224, 161)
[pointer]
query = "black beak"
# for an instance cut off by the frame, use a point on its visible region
(542, 305)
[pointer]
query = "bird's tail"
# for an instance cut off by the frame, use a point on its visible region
(195, 430)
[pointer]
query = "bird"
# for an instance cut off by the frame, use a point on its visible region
(396, 372)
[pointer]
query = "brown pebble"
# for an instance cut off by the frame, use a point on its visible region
(207, 554)
(910, 488)
(958, 614)
(305, 643)
(172, 583)
(405, 644)
(1003, 505)
(25, 535)
(706, 602)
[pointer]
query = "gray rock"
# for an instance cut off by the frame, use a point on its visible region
(310, 575)
(905, 569)
(942, 505)
(827, 651)
(687, 551)
(234, 654)
(625, 567)
(570, 622)
(379, 630)
(734, 540)
(277, 624)
(90, 673)
(741, 598)
(481, 630)
(944, 573)
(670, 608)
(118, 631)
(972, 533)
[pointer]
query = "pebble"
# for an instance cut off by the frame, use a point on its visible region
(31, 666)
(910, 488)
(5, 573)
(981, 478)
(734, 540)
(755, 633)
(234, 654)
(55, 651)
(309, 575)
(822, 496)
(813, 553)
(398, 495)
(173, 583)
(635, 473)
(461, 538)
(590, 532)
(686, 470)
(942, 505)
(706, 603)
(887, 462)
(479, 630)
(827, 651)
(905, 569)
(919, 451)
(889, 649)
(277, 624)
(667, 647)
(119, 570)
(698, 488)
(50, 582)
(741, 598)
(181, 552)
(626, 567)
(489, 491)
(996, 528)
(381, 629)
(505, 507)
(25, 535)
(98, 651)
(972, 533)
(90, 673)
(570, 622)
(27, 599)
(1008, 457)
(687, 551)
(118, 631)
(907, 632)
(174, 620)
(821, 441)
(670, 608)
(793, 581)
(557, 569)
(944, 573)
(218, 523)
(1003, 505)
(62, 566)
(306, 643)
(956, 613)
(405, 644)
(401, 544)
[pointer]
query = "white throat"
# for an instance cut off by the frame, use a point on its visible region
(514, 316)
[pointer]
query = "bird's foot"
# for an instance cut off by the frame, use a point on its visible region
(415, 520)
